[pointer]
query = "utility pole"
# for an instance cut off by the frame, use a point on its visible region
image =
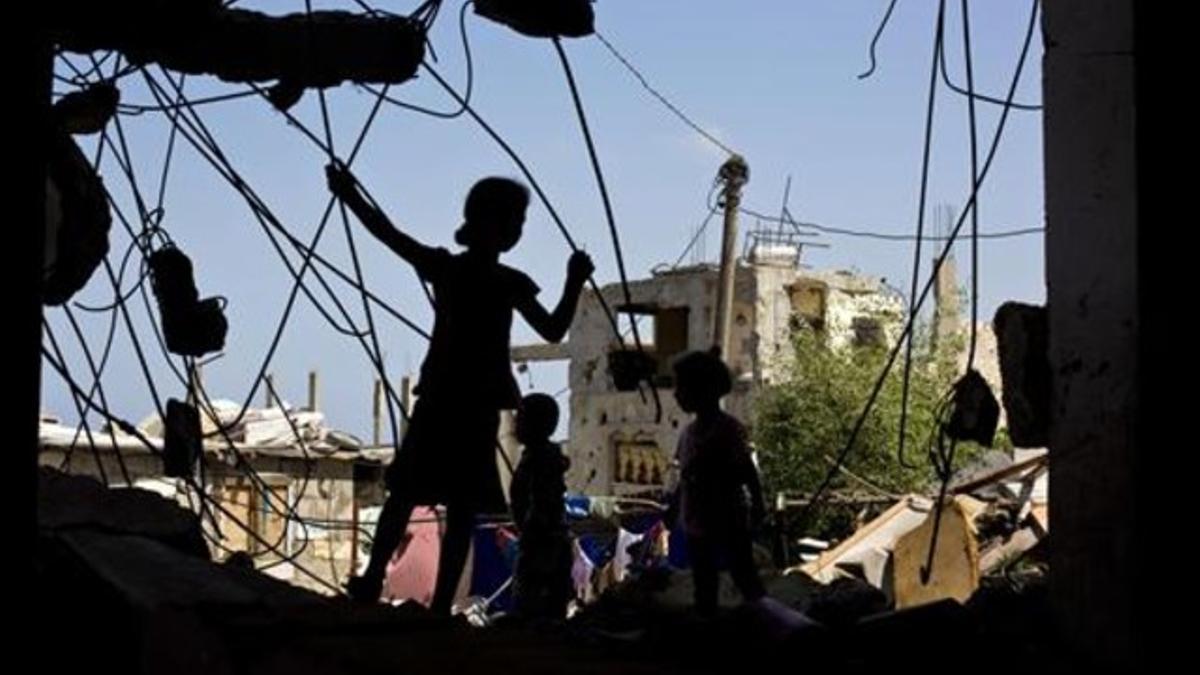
(270, 400)
(313, 393)
(734, 174)
(406, 403)
(377, 413)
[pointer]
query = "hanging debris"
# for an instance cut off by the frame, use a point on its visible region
(1023, 341)
(191, 327)
(284, 95)
(976, 412)
(541, 18)
(182, 443)
(321, 49)
(77, 221)
(630, 367)
(87, 111)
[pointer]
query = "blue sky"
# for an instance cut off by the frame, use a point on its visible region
(774, 79)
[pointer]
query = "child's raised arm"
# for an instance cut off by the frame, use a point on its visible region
(553, 326)
(344, 186)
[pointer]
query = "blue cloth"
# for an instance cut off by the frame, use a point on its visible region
(578, 506)
(598, 551)
(490, 568)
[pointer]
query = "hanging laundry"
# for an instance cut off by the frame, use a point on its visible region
(509, 544)
(604, 578)
(622, 557)
(582, 571)
(412, 572)
(603, 507)
(651, 551)
(598, 550)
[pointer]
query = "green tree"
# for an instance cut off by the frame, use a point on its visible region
(804, 420)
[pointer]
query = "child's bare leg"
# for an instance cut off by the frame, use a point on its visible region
(742, 568)
(704, 574)
(393, 522)
(456, 544)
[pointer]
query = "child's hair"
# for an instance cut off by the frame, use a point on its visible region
(703, 372)
(493, 202)
(538, 416)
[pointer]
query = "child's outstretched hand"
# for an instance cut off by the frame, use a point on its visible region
(341, 182)
(580, 267)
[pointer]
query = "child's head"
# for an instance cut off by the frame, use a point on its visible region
(701, 379)
(537, 419)
(493, 215)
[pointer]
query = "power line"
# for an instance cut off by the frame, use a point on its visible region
(608, 211)
(909, 324)
(135, 109)
(120, 305)
(87, 354)
(708, 216)
(358, 273)
(79, 409)
(98, 370)
(971, 121)
(973, 95)
(204, 403)
(875, 40)
(943, 460)
(883, 236)
(266, 218)
(927, 151)
(661, 98)
(205, 498)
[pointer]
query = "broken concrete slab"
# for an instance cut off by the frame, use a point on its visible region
(879, 534)
(1022, 540)
(67, 502)
(77, 220)
(846, 601)
(1022, 338)
(954, 573)
(202, 37)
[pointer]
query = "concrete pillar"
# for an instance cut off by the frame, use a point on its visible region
(313, 390)
(1092, 278)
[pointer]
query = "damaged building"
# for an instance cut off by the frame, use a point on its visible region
(617, 446)
(1097, 407)
(293, 495)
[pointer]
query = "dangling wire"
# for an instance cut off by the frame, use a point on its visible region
(921, 207)
(608, 215)
(875, 40)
